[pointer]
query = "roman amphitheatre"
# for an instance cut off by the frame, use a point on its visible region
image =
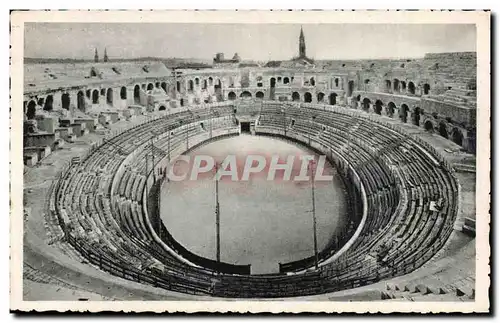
(397, 222)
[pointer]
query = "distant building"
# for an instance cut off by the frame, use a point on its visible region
(96, 56)
(105, 55)
(220, 61)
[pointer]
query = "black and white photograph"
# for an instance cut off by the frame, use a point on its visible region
(250, 161)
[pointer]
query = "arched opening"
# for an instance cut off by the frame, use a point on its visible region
(295, 96)
(210, 81)
(333, 98)
(312, 82)
(320, 96)
(65, 101)
(205, 84)
(231, 96)
(337, 82)
(89, 93)
(391, 108)
(442, 130)
(273, 82)
(350, 88)
(388, 85)
(395, 85)
(80, 101)
(307, 97)
(403, 86)
(259, 95)
(123, 93)
(95, 97)
(197, 81)
(286, 80)
(366, 104)
(49, 102)
(41, 101)
(427, 88)
(190, 85)
(246, 95)
(162, 108)
(109, 96)
(163, 85)
(428, 126)
(416, 116)
(150, 87)
(378, 107)
(157, 85)
(178, 86)
(404, 113)
(103, 92)
(411, 87)
(182, 102)
(137, 94)
(457, 136)
(31, 110)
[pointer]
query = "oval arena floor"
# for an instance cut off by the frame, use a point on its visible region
(263, 222)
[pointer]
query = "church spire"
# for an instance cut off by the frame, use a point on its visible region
(302, 44)
(96, 56)
(105, 55)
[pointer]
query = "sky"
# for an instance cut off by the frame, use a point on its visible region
(261, 42)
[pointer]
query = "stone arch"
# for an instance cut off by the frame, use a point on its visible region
(190, 85)
(403, 85)
(388, 85)
(246, 95)
(109, 96)
(80, 101)
(210, 81)
(411, 87)
(366, 104)
(295, 96)
(157, 85)
(312, 81)
(31, 110)
(95, 97)
(123, 93)
(178, 86)
(395, 85)
(443, 131)
(65, 101)
(457, 136)
(403, 113)
(336, 82)
(391, 109)
(427, 88)
(162, 108)
(205, 84)
(231, 96)
(378, 107)
(150, 87)
(350, 88)
(429, 126)
(272, 82)
(41, 102)
(308, 97)
(49, 101)
(286, 80)
(320, 97)
(137, 94)
(103, 92)
(416, 116)
(88, 93)
(196, 81)
(259, 95)
(163, 85)
(333, 98)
